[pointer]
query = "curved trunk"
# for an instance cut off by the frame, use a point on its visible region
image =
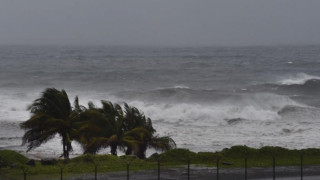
(113, 148)
(128, 151)
(66, 153)
(64, 149)
(66, 146)
(141, 152)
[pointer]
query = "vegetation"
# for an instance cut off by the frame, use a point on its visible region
(94, 128)
(9, 158)
(229, 158)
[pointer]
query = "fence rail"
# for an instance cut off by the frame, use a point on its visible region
(215, 171)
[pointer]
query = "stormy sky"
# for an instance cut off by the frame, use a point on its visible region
(160, 22)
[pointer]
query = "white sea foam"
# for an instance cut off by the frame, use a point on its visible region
(181, 87)
(195, 125)
(14, 106)
(299, 78)
(175, 87)
(259, 107)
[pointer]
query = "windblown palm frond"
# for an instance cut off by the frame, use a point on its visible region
(162, 143)
(91, 124)
(96, 144)
(77, 107)
(111, 127)
(40, 129)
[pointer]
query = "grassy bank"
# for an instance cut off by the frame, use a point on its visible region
(13, 164)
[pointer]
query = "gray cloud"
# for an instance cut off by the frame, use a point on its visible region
(160, 22)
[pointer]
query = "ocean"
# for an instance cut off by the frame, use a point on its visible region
(205, 98)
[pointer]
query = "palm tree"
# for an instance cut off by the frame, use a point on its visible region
(93, 126)
(107, 131)
(135, 119)
(52, 114)
(145, 133)
(114, 114)
(110, 127)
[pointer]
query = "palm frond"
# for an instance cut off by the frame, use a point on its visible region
(77, 107)
(91, 105)
(96, 144)
(162, 143)
(52, 102)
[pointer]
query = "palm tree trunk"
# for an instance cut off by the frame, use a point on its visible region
(142, 152)
(114, 149)
(128, 151)
(65, 147)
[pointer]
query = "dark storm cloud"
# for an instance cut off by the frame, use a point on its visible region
(160, 22)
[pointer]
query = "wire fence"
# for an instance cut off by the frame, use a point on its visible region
(162, 170)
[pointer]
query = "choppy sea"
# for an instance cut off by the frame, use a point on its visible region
(205, 98)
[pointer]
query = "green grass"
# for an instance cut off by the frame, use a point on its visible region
(176, 157)
(8, 158)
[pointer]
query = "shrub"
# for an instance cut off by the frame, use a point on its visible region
(8, 158)
(178, 155)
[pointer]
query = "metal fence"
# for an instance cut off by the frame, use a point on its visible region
(215, 171)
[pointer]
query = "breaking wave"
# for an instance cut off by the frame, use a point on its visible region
(262, 106)
(300, 112)
(300, 78)
(307, 86)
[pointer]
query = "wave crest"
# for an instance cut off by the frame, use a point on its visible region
(300, 78)
(259, 107)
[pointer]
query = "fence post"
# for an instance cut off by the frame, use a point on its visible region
(274, 167)
(188, 169)
(158, 169)
(245, 168)
(128, 166)
(25, 171)
(95, 171)
(301, 158)
(61, 173)
(61, 166)
(218, 162)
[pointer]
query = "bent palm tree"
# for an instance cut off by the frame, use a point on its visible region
(112, 127)
(134, 119)
(51, 114)
(110, 132)
(92, 124)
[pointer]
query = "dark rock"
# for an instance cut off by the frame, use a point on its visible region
(31, 162)
(234, 121)
(227, 163)
(13, 165)
(48, 161)
(2, 164)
